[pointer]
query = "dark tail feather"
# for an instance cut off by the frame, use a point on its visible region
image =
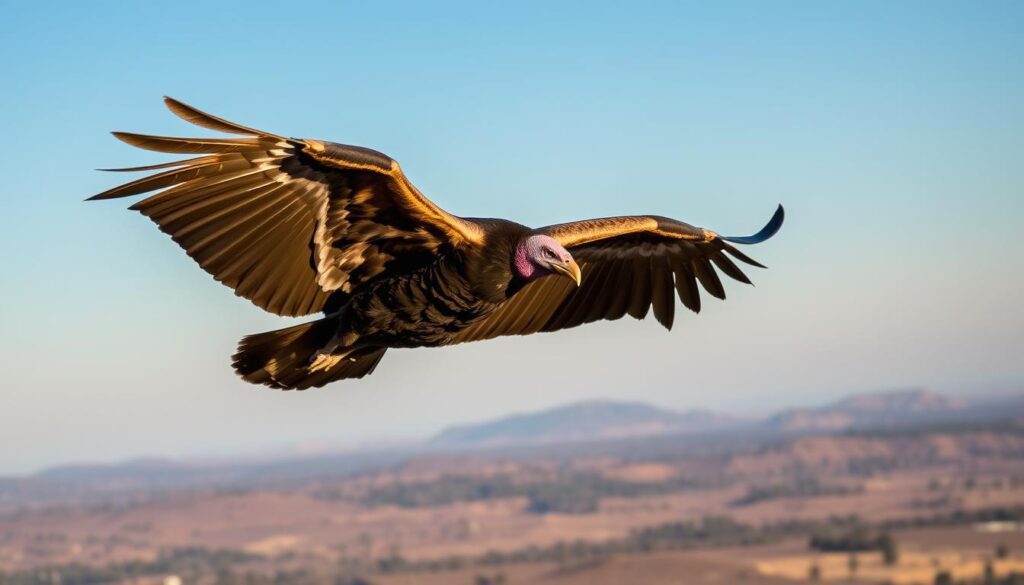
(285, 358)
(766, 232)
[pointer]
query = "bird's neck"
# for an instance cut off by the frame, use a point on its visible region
(490, 269)
(522, 266)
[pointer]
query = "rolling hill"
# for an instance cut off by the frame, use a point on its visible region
(874, 410)
(582, 421)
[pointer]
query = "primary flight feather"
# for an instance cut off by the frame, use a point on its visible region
(301, 226)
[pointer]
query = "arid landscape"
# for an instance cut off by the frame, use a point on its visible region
(897, 487)
(471, 293)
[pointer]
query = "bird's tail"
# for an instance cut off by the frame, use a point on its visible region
(290, 358)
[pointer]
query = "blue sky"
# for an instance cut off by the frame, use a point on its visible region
(892, 131)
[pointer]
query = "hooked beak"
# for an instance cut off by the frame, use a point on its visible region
(569, 269)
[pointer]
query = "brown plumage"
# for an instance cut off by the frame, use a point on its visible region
(302, 226)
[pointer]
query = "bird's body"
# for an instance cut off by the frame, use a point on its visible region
(429, 305)
(304, 226)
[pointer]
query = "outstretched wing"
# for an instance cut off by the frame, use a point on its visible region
(288, 223)
(629, 265)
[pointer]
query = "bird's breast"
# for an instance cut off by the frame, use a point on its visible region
(422, 309)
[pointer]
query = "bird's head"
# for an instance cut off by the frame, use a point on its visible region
(539, 255)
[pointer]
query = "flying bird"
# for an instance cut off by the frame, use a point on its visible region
(301, 226)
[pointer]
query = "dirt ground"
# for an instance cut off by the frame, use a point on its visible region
(962, 550)
(281, 522)
(676, 568)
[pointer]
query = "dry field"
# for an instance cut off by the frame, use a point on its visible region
(300, 523)
(963, 551)
(272, 523)
(669, 568)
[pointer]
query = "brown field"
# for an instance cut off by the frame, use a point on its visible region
(663, 568)
(297, 525)
(275, 522)
(962, 550)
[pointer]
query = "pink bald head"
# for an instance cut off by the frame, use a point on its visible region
(535, 255)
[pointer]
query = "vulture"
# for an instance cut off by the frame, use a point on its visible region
(301, 226)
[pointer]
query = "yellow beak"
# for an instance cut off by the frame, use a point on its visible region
(569, 269)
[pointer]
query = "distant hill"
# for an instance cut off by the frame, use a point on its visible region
(599, 424)
(582, 421)
(876, 410)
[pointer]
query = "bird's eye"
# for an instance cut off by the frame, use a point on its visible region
(548, 253)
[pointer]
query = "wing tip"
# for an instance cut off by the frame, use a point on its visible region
(181, 109)
(99, 196)
(200, 118)
(129, 138)
(177, 106)
(770, 229)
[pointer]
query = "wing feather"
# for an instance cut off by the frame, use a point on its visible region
(686, 286)
(577, 308)
(640, 298)
(604, 281)
(742, 257)
(630, 265)
(620, 289)
(708, 277)
(729, 268)
(200, 118)
(663, 298)
(173, 163)
(288, 223)
(175, 145)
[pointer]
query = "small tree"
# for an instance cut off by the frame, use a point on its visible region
(990, 574)
(1002, 551)
(814, 572)
(852, 564)
(890, 552)
(943, 578)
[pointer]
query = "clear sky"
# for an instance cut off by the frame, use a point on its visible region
(892, 131)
